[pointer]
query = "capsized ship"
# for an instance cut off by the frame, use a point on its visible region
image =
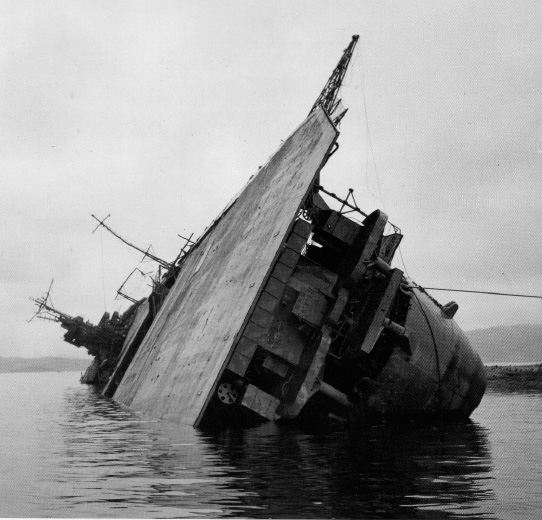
(286, 308)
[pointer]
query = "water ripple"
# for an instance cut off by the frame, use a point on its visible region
(68, 452)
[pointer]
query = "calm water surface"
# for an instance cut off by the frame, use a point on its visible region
(67, 452)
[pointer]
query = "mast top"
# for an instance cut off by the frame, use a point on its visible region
(328, 97)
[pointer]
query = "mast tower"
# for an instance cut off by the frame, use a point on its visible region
(328, 97)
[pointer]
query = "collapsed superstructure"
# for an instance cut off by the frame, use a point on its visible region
(103, 341)
(286, 307)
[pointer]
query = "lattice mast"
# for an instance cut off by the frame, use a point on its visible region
(328, 97)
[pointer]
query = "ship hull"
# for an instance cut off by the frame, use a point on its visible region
(443, 376)
(285, 307)
(285, 302)
(175, 373)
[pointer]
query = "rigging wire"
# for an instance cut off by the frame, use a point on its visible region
(51, 301)
(402, 259)
(103, 266)
(367, 134)
(482, 292)
(368, 140)
(369, 148)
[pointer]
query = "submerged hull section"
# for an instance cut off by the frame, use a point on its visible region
(442, 374)
(179, 363)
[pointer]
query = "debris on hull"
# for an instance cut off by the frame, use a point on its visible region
(103, 341)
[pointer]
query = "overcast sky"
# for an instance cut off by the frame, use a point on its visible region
(158, 112)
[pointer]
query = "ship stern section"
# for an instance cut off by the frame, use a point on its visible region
(336, 331)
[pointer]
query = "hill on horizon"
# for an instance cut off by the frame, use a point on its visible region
(508, 344)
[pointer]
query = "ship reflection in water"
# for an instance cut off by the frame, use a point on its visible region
(392, 472)
(116, 464)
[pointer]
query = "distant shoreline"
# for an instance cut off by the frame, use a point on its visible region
(514, 377)
(500, 375)
(12, 365)
(511, 364)
(44, 371)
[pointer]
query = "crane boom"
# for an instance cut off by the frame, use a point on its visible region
(163, 263)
